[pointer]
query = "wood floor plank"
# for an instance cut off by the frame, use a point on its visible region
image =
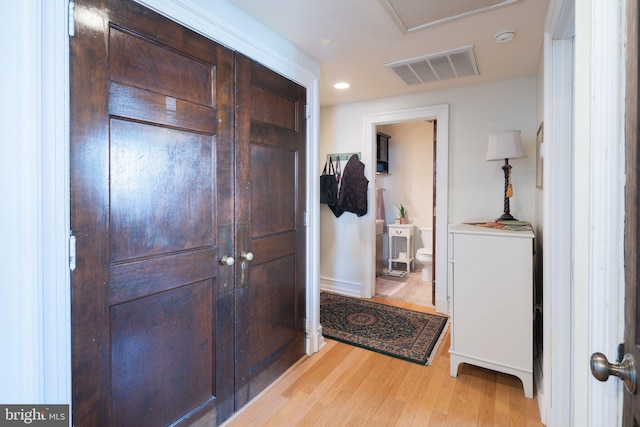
(310, 380)
(487, 410)
(343, 385)
(458, 402)
(474, 396)
(533, 412)
(517, 403)
(502, 407)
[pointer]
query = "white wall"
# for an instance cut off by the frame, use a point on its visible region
(20, 186)
(475, 186)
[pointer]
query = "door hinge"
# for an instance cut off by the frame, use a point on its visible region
(306, 218)
(307, 111)
(72, 252)
(307, 326)
(72, 19)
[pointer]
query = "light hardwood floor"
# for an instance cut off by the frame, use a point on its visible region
(344, 385)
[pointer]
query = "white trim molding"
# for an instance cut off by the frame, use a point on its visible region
(35, 292)
(554, 391)
(343, 287)
(598, 237)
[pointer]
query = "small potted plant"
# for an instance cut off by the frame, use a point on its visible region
(403, 213)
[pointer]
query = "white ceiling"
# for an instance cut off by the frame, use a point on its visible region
(353, 39)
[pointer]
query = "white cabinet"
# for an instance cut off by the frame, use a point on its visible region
(491, 274)
(401, 245)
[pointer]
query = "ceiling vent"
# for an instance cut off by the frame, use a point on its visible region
(435, 67)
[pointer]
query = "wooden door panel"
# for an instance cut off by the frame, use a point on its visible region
(142, 63)
(273, 190)
(271, 305)
(282, 110)
(161, 193)
(161, 355)
(150, 148)
(135, 19)
(131, 280)
(161, 205)
(139, 104)
(270, 197)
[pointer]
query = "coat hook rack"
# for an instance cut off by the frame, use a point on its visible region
(343, 156)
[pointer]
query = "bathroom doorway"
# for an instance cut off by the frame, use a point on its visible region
(408, 180)
(439, 113)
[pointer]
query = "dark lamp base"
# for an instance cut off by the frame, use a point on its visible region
(506, 217)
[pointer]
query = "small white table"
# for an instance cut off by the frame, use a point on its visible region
(398, 233)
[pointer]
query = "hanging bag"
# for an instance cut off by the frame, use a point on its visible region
(329, 184)
(337, 211)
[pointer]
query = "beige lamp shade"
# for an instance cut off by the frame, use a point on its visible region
(505, 145)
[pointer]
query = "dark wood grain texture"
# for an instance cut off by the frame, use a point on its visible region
(144, 159)
(270, 291)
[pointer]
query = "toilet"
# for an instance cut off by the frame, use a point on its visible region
(425, 255)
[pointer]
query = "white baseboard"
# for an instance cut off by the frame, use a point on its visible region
(314, 341)
(343, 287)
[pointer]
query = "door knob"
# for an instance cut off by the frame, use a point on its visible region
(247, 255)
(626, 371)
(227, 260)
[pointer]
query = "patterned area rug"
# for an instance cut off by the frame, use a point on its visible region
(398, 332)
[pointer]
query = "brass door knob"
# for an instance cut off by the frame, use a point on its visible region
(601, 369)
(227, 260)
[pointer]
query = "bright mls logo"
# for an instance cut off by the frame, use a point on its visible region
(37, 415)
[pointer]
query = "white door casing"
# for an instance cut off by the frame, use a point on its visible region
(598, 208)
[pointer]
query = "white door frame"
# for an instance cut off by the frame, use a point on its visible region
(440, 113)
(554, 391)
(598, 240)
(583, 220)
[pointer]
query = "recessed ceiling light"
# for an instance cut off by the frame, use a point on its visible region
(341, 85)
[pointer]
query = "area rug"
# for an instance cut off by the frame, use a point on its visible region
(394, 331)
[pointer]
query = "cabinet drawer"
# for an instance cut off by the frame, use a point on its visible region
(399, 231)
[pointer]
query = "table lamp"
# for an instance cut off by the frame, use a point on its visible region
(506, 145)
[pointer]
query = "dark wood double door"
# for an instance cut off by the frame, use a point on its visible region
(182, 152)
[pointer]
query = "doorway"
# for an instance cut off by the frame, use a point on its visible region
(439, 113)
(408, 182)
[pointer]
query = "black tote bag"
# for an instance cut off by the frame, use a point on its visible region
(328, 184)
